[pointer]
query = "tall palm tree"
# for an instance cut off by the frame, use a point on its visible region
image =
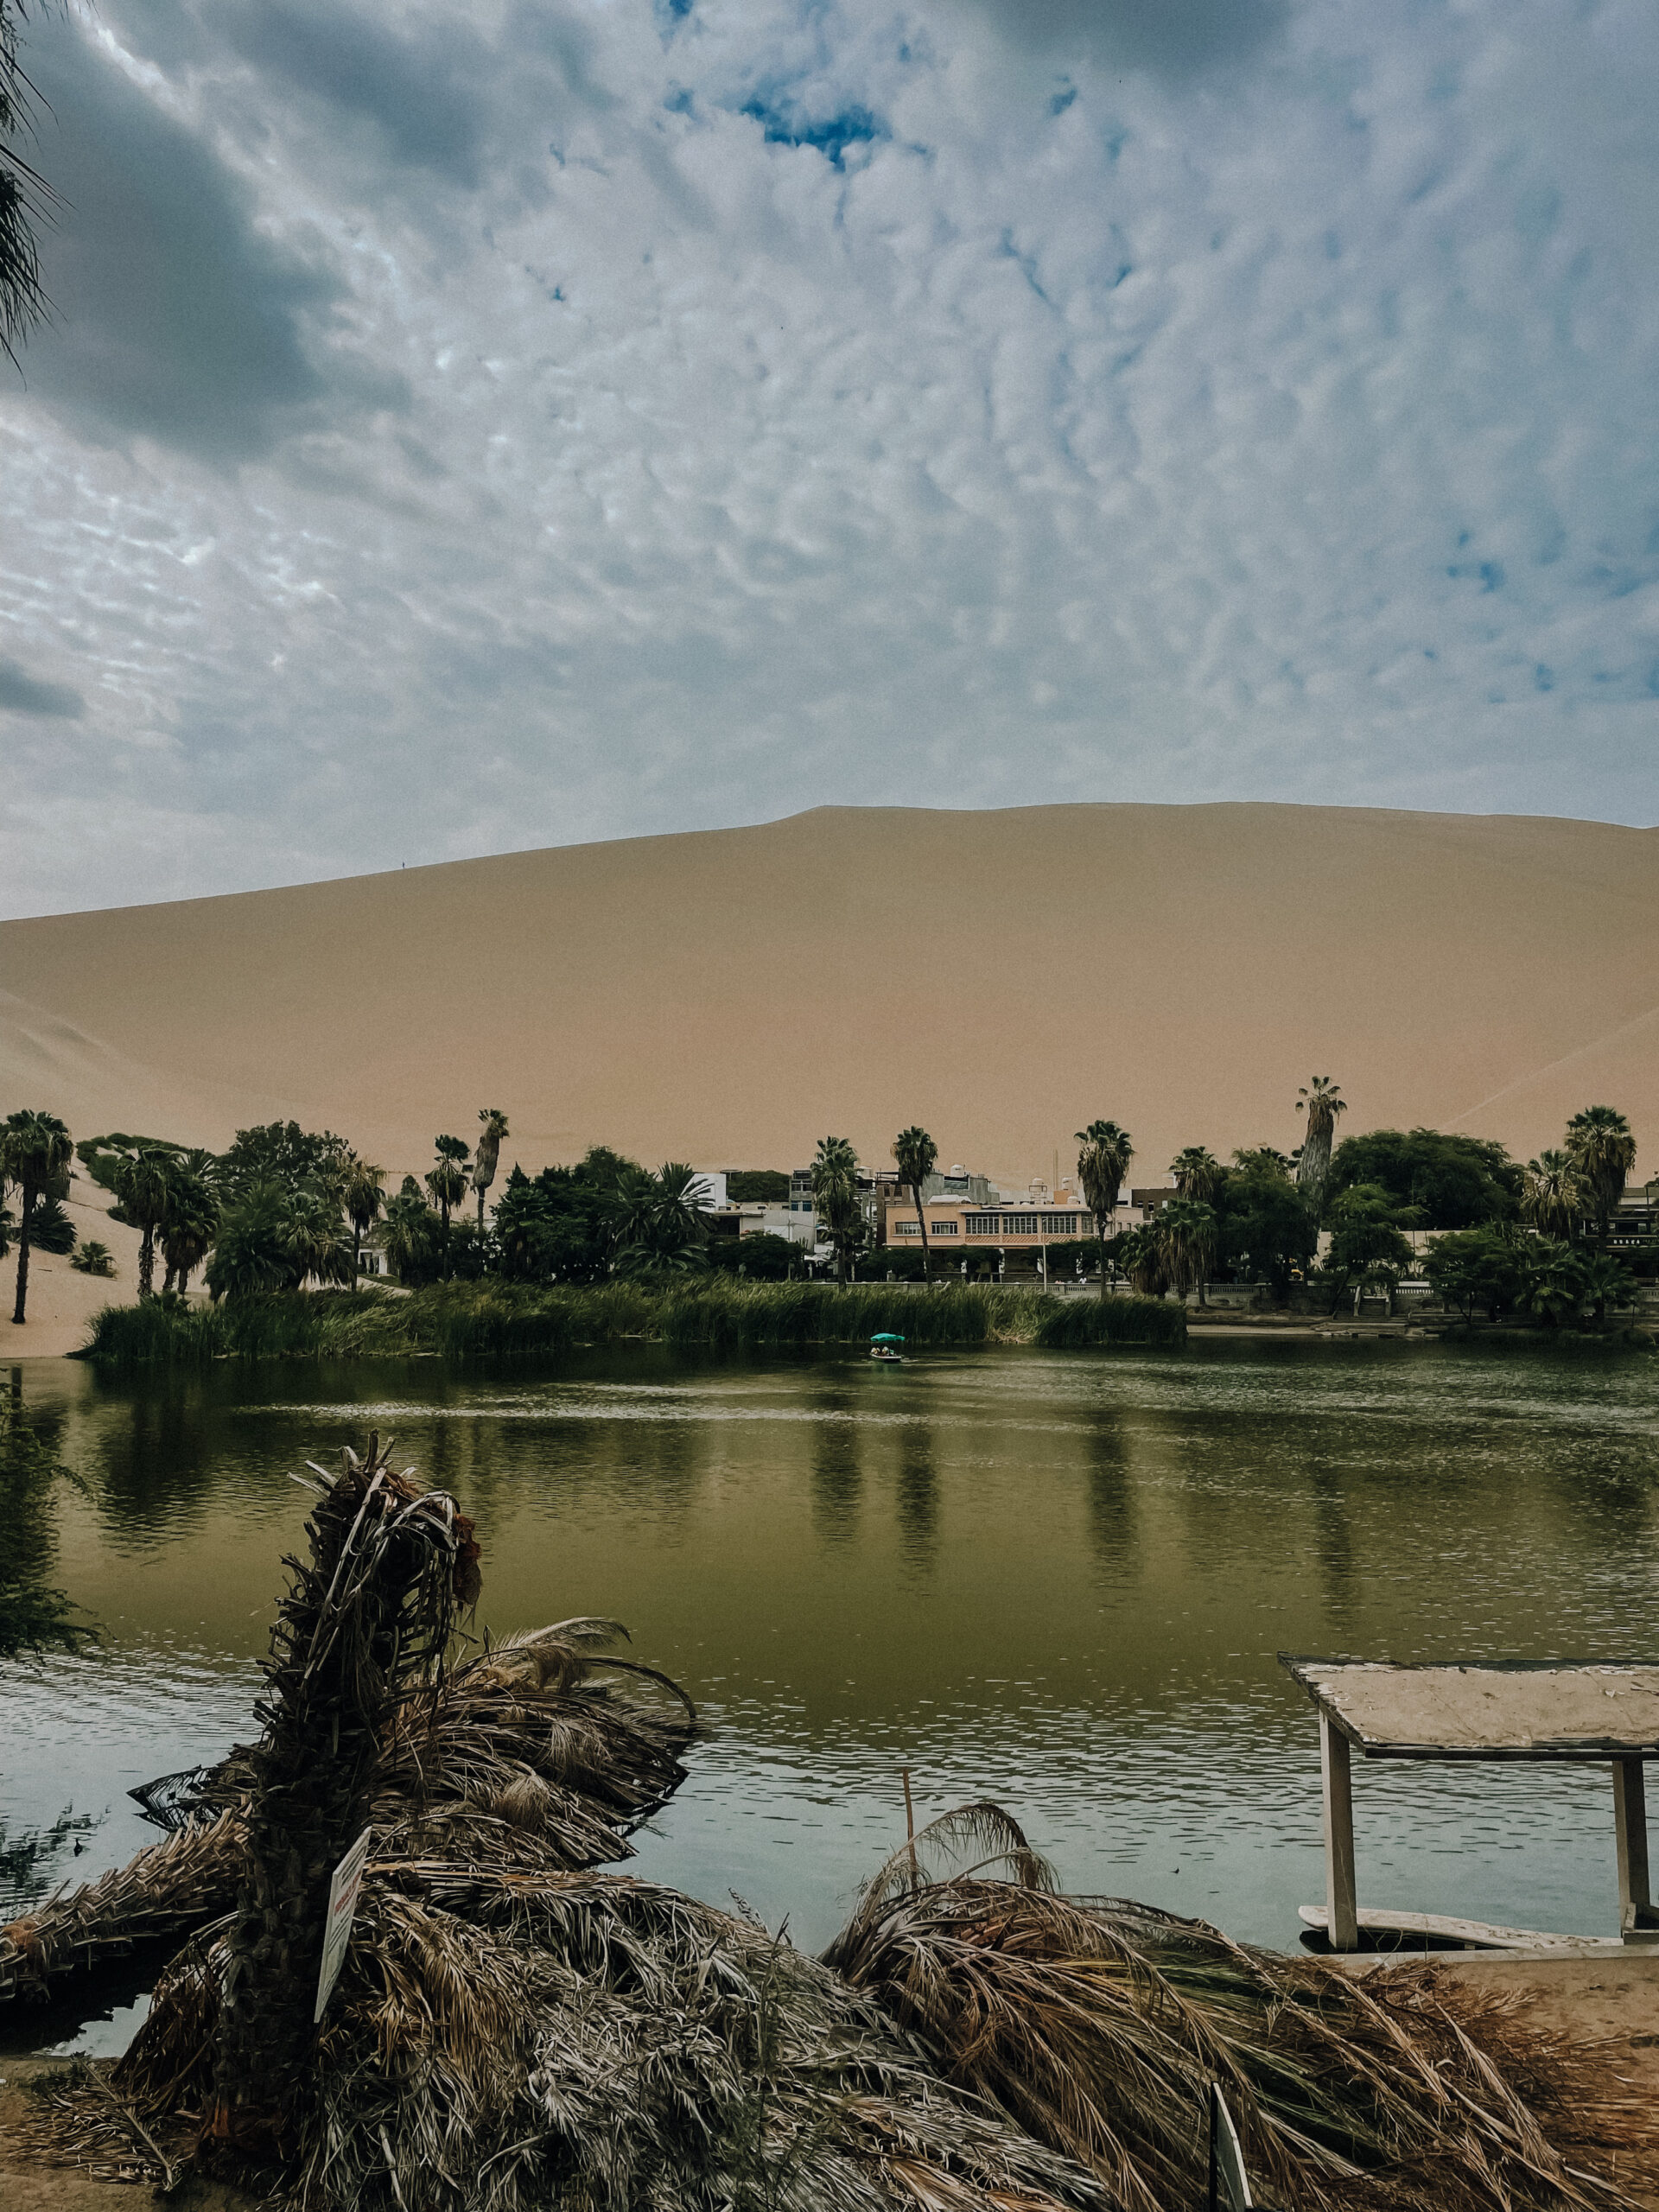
(1603, 1152)
(916, 1155)
(658, 1225)
(835, 1196)
(1321, 1101)
(413, 1249)
(489, 1153)
(1102, 1165)
(446, 1181)
(1550, 1193)
(364, 1198)
(35, 1149)
(1198, 1175)
(316, 1241)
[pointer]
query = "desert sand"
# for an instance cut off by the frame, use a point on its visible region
(728, 996)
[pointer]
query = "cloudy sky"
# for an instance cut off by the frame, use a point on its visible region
(473, 428)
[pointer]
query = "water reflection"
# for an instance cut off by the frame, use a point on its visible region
(1060, 1579)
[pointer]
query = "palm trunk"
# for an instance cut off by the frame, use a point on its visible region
(1100, 1227)
(23, 1264)
(356, 1250)
(147, 1262)
(921, 1224)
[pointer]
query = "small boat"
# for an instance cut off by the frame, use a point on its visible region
(886, 1347)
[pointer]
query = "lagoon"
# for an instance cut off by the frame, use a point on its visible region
(1059, 1579)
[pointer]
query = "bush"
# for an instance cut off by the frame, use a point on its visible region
(93, 1259)
(470, 1320)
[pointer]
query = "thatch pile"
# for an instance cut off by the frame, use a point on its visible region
(514, 2028)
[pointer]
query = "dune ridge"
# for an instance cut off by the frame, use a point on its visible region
(1001, 977)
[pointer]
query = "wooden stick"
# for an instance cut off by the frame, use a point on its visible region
(910, 1831)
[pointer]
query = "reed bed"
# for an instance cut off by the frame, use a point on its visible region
(494, 1319)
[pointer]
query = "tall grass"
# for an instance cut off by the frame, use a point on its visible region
(475, 1320)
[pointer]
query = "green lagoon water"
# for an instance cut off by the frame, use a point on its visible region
(1056, 1580)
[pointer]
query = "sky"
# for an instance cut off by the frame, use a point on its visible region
(467, 429)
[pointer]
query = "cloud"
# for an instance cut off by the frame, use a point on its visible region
(670, 417)
(22, 693)
(176, 316)
(418, 92)
(1174, 38)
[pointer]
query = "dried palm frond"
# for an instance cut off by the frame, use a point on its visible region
(508, 2038)
(167, 1889)
(1099, 2025)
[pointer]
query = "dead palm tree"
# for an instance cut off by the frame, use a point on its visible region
(364, 1197)
(1102, 1165)
(916, 1155)
(1550, 1193)
(1321, 1101)
(36, 1150)
(489, 1153)
(1603, 1151)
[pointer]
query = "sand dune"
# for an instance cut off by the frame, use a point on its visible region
(728, 996)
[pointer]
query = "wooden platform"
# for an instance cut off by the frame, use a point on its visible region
(1581, 1713)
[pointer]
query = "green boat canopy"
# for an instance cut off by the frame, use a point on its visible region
(884, 1336)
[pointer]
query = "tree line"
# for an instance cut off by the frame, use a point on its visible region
(285, 1207)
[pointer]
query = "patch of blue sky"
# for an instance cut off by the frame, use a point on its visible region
(785, 124)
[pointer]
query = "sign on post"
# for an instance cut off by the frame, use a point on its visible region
(1229, 2191)
(342, 1905)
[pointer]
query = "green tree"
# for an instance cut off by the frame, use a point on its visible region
(253, 1252)
(190, 1222)
(1603, 1152)
(33, 1617)
(414, 1237)
(757, 1186)
(1550, 1195)
(916, 1155)
(144, 1185)
(1102, 1163)
(364, 1198)
(1321, 1101)
(1552, 1282)
(1198, 1175)
(446, 1181)
(489, 1153)
(1367, 1240)
(26, 199)
(835, 1196)
(36, 1150)
(1267, 1229)
(1606, 1281)
(761, 1256)
(1484, 1266)
(1186, 1235)
(284, 1153)
(317, 1243)
(658, 1225)
(1454, 1181)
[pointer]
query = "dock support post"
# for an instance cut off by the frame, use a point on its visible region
(1631, 1833)
(1342, 1911)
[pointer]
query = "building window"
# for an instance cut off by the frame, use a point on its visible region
(1020, 1224)
(906, 1229)
(981, 1224)
(942, 1228)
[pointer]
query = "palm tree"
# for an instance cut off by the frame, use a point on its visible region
(316, 1240)
(835, 1196)
(1552, 1286)
(1605, 1280)
(916, 1155)
(25, 196)
(1186, 1242)
(658, 1225)
(1603, 1152)
(1550, 1193)
(143, 1180)
(35, 1148)
(413, 1251)
(1321, 1101)
(364, 1197)
(489, 1153)
(447, 1181)
(187, 1228)
(1198, 1175)
(1102, 1165)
